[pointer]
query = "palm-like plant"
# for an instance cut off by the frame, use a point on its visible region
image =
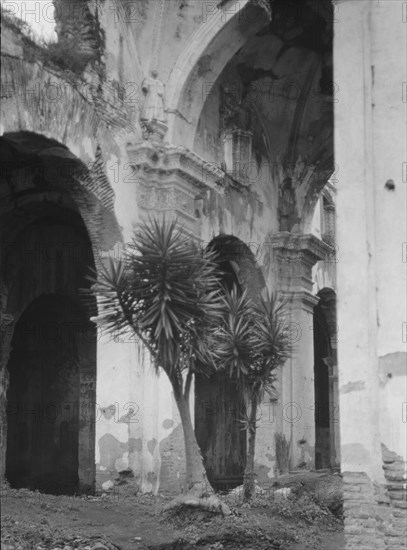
(254, 342)
(168, 293)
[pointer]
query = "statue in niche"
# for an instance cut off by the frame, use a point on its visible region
(153, 108)
(287, 206)
(233, 114)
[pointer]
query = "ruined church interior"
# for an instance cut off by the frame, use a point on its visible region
(274, 132)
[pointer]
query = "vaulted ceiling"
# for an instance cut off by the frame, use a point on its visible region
(279, 86)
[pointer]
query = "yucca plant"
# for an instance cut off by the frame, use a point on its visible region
(254, 342)
(167, 292)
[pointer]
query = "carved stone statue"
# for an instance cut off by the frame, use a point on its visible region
(153, 108)
(287, 206)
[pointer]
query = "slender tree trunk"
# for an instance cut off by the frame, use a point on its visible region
(199, 493)
(248, 480)
(195, 470)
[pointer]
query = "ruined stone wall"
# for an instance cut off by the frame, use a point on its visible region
(49, 100)
(93, 104)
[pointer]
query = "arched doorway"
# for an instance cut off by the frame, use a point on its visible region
(326, 382)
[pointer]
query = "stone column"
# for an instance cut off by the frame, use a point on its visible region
(293, 257)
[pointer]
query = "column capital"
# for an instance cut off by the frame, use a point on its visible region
(291, 245)
(295, 255)
(301, 299)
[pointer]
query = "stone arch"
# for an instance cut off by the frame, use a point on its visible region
(219, 405)
(242, 260)
(220, 35)
(296, 147)
(52, 169)
(52, 229)
(44, 101)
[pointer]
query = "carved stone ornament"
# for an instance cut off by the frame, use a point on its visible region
(153, 130)
(173, 181)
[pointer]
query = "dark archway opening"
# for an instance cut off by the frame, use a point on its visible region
(325, 380)
(52, 364)
(49, 343)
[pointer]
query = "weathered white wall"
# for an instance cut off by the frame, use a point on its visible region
(389, 143)
(370, 149)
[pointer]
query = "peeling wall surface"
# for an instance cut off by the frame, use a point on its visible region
(230, 129)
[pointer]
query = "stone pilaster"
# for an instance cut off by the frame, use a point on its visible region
(293, 257)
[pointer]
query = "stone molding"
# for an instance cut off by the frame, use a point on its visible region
(173, 180)
(295, 255)
(301, 299)
(165, 159)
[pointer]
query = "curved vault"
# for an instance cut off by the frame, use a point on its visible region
(278, 86)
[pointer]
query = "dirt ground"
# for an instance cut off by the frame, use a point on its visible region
(309, 517)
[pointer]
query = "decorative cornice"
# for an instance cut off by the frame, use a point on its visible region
(294, 256)
(173, 179)
(308, 246)
(171, 159)
(302, 298)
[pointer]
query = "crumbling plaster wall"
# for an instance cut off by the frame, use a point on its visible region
(42, 99)
(86, 114)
